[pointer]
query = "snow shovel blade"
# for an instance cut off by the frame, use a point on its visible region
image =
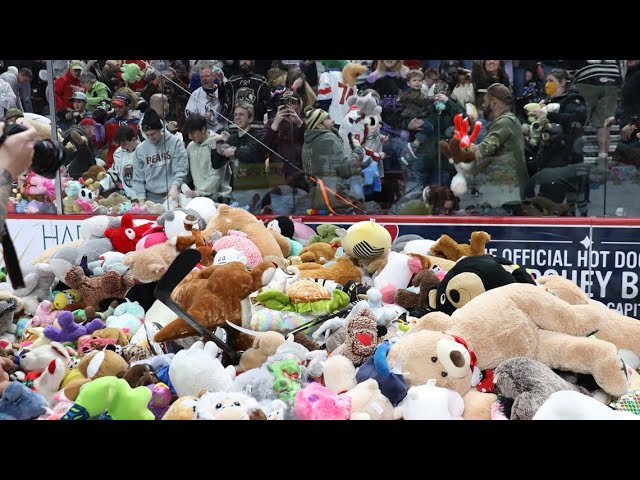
(180, 268)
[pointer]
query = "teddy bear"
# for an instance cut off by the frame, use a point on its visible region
(95, 289)
(264, 345)
(368, 403)
(361, 337)
(395, 272)
(102, 363)
(197, 368)
(113, 201)
(194, 238)
(528, 383)
(138, 375)
(37, 287)
(95, 173)
(150, 264)
(219, 299)
(236, 245)
(425, 280)
(128, 316)
(284, 226)
(7, 309)
(570, 405)
(269, 242)
(472, 276)
(48, 383)
(509, 321)
(428, 402)
(125, 237)
(184, 408)
(339, 374)
(622, 331)
(342, 271)
(228, 406)
(447, 247)
(318, 253)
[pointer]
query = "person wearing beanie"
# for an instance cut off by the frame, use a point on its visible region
(12, 115)
(323, 158)
(160, 165)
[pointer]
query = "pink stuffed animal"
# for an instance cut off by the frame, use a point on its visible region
(315, 402)
(42, 186)
(44, 315)
(88, 343)
(151, 237)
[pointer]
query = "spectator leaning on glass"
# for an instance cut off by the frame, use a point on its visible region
(161, 163)
(498, 169)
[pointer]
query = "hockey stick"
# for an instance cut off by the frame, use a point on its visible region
(180, 268)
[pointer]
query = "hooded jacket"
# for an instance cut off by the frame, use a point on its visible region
(205, 177)
(158, 167)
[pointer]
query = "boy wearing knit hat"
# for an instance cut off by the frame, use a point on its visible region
(323, 158)
(160, 165)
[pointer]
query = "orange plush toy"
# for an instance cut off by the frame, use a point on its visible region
(447, 247)
(216, 299)
(195, 238)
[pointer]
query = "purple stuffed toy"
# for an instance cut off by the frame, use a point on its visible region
(160, 399)
(69, 330)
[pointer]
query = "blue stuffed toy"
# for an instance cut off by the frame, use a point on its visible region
(19, 402)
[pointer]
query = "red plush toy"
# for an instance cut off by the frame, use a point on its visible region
(125, 237)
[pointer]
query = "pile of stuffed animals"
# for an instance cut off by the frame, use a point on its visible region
(330, 324)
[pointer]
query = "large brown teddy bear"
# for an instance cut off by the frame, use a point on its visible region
(516, 320)
(267, 241)
(219, 298)
(622, 331)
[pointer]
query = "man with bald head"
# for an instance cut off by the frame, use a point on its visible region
(497, 175)
(160, 103)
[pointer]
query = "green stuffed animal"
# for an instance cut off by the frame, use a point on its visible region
(286, 378)
(131, 72)
(112, 397)
(325, 233)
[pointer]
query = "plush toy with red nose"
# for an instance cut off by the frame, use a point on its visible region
(125, 237)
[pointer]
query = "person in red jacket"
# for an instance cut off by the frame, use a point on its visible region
(65, 86)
